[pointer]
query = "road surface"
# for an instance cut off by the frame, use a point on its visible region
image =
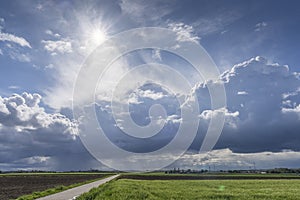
(77, 191)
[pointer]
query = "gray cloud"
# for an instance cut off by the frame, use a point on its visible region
(224, 159)
(262, 113)
(266, 98)
(262, 122)
(140, 101)
(31, 138)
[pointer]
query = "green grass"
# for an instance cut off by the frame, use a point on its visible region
(57, 189)
(123, 189)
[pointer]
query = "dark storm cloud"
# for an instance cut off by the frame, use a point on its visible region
(262, 115)
(262, 112)
(266, 98)
(31, 138)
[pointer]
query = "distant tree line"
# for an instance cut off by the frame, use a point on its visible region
(283, 170)
(268, 171)
(187, 171)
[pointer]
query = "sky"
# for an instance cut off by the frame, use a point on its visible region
(47, 48)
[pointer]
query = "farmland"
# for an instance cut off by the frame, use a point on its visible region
(158, 186)
(18, 184)
(136, 186)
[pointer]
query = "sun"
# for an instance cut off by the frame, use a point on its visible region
(98, 36)
(92, 31)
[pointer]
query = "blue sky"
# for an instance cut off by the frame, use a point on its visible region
(227, 30)
(254, 44)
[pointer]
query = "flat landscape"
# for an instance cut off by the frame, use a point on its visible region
(136, 186)
(217, 187)
(15, 185)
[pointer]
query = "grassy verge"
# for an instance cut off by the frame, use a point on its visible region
(57, 189)
(123, 189)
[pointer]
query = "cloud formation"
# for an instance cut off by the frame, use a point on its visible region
(141, 10)
(224, 159)
(29, 134)
(262, 113)
(260, 26)
(262, 107)
(23, 111)
(58, 46)
(49, 32)
(12, 44)
(184, 32)
(261, 123)
(7, 37)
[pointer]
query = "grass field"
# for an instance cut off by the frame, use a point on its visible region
(196, 189)
(208, 176)
(35, 185)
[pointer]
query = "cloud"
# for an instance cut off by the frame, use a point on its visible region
(242, 93)
(231, 118)
(261, 122)
(2, 23)
(49, 32)
(13, 51)
(175, 119)
(146, 96)
(140, 11)
(30, 137)
(58, 46)
(260, 26)
(16, 55)
(261, 113)
(141, 94)
(216, 21)
(34, 160)
(224, 159)
(262, 107)
(292, 111)
(39, 7)
(23, 111)
(7, 37)
(50, 66)
(184, 32)
(14, 87)
(156, 55)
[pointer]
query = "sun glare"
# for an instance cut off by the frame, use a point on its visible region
(97, 36)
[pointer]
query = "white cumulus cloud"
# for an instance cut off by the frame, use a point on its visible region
(29, 135)
(184, 32)
(23, 111)
(58, 46)
(49, 32)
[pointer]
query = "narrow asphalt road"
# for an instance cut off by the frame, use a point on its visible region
(77, 191)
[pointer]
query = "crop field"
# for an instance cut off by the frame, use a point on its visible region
(14, 185)
(208, 176)
(245, 187)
